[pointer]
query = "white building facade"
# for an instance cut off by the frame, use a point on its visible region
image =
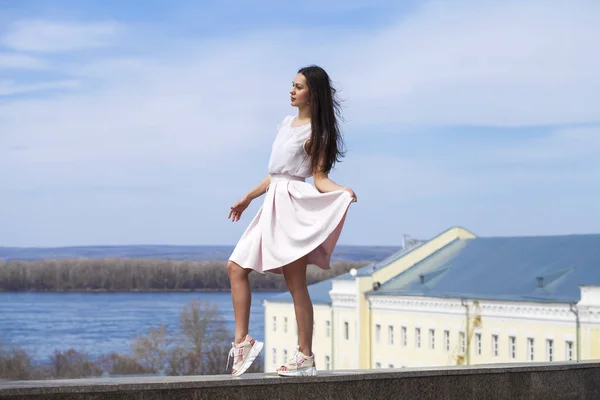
(445, 303)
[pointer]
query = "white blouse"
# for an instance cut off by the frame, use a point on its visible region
(288, 155)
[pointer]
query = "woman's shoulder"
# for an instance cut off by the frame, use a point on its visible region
(287, 120)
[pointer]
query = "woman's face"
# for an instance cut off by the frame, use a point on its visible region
(300, 95)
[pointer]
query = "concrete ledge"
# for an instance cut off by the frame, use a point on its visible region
(576, 380)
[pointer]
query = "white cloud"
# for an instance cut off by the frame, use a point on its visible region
(395, 178)
(486, 63)
(21, 61)
(579, 144)
(8, 88)
(53, 36)
(189, 108)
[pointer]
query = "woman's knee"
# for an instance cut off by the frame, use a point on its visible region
(235, 271)
(298, 289)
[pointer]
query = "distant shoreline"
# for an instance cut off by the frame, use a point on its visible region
(136, 291)
(142, 276)
(205, 253)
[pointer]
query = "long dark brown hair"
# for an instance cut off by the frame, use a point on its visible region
(326, 143)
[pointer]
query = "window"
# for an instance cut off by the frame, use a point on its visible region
(549, 350)
(346, 330)
(530, 348)
(462, 341)
(447, 340)
(377, 333)
(285, 324)
(432, 339)
(569, 350)
(478, 343)
(328, 328)
(327, 362)
(512, 349)
(390, 335)
(403, 336)
(495, 345)
(377, 365)
(274, 356)
(418, 338)
(285, 357)
(274, 324)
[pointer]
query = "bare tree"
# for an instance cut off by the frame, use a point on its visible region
(151, 350)
(16, 364)
(72, 364)
(202, 331)
(120, 364)
(200, 347)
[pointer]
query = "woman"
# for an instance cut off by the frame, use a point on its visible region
(298, 223)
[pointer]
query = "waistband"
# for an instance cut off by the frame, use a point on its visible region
(286, 177)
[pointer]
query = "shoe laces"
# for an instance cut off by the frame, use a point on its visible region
(295, 356)
(233, 352)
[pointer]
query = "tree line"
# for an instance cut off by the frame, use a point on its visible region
(130, 274)
(200, 347)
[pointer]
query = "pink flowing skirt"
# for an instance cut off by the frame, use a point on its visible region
(295, 220)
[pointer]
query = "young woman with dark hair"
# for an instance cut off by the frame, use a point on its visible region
(298, 223)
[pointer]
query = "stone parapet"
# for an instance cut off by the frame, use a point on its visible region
(573, 380)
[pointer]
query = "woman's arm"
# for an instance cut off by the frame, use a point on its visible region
(259, 189)
(322, 181)
(235, 212)
(324, 184)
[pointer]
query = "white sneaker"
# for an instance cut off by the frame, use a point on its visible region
(299, 365)
(243, 355)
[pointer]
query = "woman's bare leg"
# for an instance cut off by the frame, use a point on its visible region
(295, 278)
(241, 297)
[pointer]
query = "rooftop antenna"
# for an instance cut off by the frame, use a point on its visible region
(405, 238)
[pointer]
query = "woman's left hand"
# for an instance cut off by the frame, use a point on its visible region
(354, 198)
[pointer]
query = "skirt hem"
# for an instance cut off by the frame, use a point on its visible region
(251, 250)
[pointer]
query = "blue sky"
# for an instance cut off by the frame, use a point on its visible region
(142, 122)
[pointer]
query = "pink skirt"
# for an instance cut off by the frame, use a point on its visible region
(295, 220)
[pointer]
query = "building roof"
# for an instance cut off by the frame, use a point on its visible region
(319, 294)
(537, 268)
(368, 270)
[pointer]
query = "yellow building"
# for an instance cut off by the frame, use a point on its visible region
(455, 299)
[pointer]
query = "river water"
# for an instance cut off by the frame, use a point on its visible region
(100, 323)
